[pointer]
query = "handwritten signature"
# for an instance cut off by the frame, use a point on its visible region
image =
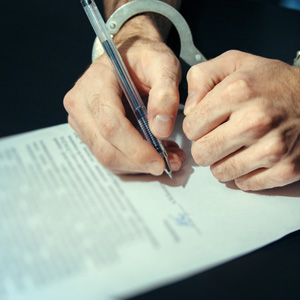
(182, 219)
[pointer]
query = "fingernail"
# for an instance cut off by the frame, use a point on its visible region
(162, 125)
(190, 102)
(155, 168)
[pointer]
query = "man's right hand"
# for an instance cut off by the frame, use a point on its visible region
(102, 120)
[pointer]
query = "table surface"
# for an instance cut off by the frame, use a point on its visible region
(46, 47)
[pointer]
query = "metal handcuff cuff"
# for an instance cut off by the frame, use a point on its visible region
(188, 52)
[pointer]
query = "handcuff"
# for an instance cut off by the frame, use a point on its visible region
(188, 51)
(297, 60)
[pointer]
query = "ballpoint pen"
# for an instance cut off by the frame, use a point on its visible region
(126, 83)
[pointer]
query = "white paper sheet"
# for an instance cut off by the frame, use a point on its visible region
(69, 229)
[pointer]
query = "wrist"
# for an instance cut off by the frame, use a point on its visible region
(146, 27)
(159, 22)
(139, 27)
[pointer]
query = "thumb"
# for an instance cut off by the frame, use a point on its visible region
(163, 97)
(202, 78)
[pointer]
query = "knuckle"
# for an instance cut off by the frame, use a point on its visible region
(96, 105)
(249, 185)
(166, 95)
(194, 73)
(276, 150)
(241, 87)
(108, 127)
(272, 159)
(199, 155)
(227, 171)
(231, 53)
(106, 118)
(199, 160)
(187, 129)
(69, 102)
(257, 123)
(235, 55)
(218, 173)
(288, 172)
(99, 104)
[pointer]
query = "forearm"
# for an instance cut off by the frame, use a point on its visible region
(151, 24)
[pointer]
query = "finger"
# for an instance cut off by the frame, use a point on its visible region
(115, 160)
(202, 78)
(281, 174)
(109, 156)
(175, 161)
(216, 145)
(239, 131)
(164, 78)
(106, 109)
(265, 153)
(116, 129)
(176, 155)
(85, 120)
(169, 143)
(218, 105)
(100, 119)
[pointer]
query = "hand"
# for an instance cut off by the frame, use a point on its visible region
(243, 112)
(101, 119)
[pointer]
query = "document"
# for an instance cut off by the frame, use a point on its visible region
(70, 229)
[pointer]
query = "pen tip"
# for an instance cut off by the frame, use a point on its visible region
(167, 164)
(169, 172)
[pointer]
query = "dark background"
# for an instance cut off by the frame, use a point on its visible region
(46, 45)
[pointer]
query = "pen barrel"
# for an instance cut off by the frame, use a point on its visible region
(134, 99)
(96, 20)
(136, 103)
(157, 144)
(126, 83)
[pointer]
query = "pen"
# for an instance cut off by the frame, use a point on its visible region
(127, 85)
